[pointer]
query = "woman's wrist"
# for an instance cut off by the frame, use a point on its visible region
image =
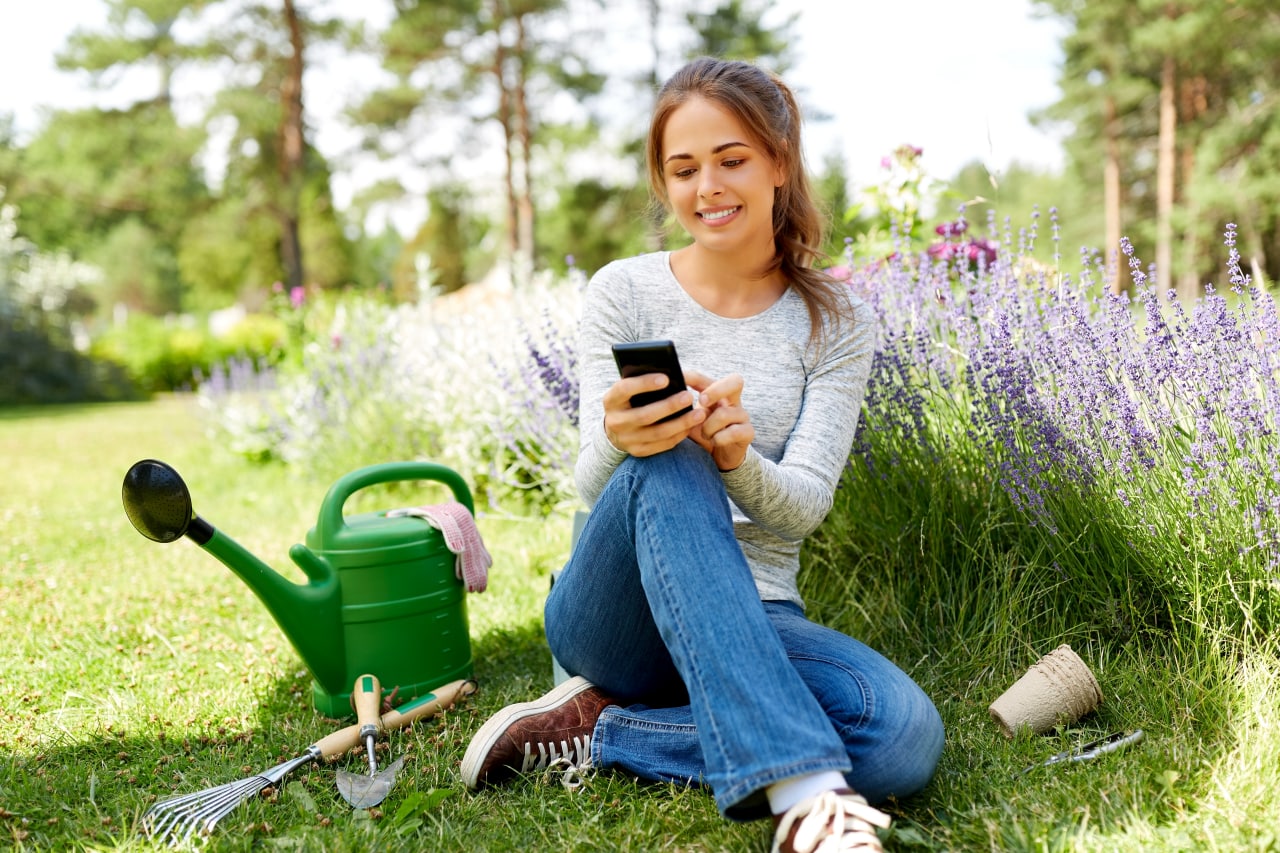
(604, 427)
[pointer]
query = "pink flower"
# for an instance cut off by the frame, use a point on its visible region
(983, 251)
(952, 229)
(943, 251)
(297, 295)
(840, 273)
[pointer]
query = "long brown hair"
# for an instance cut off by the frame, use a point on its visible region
(768, 111)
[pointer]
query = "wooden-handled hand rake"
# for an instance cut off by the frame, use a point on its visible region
(178, 819)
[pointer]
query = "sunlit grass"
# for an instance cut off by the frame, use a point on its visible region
(133, 671)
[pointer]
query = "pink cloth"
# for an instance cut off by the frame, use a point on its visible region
(462, 538)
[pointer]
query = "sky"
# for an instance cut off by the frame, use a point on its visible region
(957, 82)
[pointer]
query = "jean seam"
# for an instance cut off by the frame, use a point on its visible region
(676, 616)
(868, 697)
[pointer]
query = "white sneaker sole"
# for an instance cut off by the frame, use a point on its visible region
(497, 725)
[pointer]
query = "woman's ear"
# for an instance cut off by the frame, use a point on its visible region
(779, 167)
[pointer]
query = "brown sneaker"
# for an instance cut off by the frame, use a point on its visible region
(552, 731)
(835, 821)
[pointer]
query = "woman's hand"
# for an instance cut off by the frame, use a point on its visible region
(726, 432)
(638, 431)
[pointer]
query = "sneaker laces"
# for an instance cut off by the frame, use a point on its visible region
(832, 823)
(573, 763)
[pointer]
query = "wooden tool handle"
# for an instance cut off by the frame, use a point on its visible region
(344, 740)
(429, 704)
(339, 743)
(367, 696)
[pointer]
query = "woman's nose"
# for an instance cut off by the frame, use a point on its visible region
(708, 184)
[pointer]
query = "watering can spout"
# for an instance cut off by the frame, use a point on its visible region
(159, 506)
(382, 594)
(309, 614)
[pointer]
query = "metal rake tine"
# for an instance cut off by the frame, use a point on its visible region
(181, 805)
(179, 818)
(171, 829)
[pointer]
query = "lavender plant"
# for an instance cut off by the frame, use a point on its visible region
(539, 435)
(1139, 415)
(439, 380)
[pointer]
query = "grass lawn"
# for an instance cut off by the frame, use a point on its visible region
(134, 671)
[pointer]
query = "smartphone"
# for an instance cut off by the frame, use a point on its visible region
(642, 357)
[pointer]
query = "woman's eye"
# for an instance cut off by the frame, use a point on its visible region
(733, 164)
(683, 173)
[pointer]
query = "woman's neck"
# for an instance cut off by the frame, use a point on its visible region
(725, 285)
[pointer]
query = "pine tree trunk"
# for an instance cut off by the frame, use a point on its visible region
(292, 152)
(1194, 103)
(1188, 278)
(524, 137)
(1166, 164)
(509, 177)
(1111, 196)
(657, 234)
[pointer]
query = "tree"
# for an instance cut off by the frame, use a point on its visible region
(447, 244)
(1150, 87)
(735, 30)
(1102, 91)
(115, 184)
(280, 177)
(452, 55)
(276, 200)
(139, 33)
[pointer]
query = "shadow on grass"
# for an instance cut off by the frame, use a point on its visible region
(93, 788)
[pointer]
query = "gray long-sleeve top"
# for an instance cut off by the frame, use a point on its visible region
(803, 401)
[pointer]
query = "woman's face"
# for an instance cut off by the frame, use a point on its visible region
(720, 184)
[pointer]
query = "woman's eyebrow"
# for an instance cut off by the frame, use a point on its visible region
(722, 147)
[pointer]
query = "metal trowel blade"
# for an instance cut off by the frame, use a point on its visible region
(363, 791)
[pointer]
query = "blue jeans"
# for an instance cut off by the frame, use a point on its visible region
(657, 607)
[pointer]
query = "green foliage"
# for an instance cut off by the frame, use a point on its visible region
(221, 254)
(159, 356)
(451, 243)
(139, 269)
(116, 186)
(1011, 194)
(258, 337)
(595, 222)
(890, 213)
(173, 355)
(42, 301)
(735, 29)
(365, 381)
(1218, 62)
(40, 366)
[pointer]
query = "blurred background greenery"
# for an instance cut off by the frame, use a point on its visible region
(126, 263)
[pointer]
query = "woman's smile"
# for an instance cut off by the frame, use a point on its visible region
(718, 215)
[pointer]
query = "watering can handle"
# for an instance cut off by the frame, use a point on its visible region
(344, 740)
(331, 518)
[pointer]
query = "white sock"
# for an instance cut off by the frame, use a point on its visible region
(785, 794)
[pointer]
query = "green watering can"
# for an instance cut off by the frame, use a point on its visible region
(382, 596)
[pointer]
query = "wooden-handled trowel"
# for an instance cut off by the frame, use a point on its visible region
(366, 791)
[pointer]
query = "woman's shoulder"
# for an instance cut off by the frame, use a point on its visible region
(645, 265)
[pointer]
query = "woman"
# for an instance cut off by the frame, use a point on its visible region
(678, 611)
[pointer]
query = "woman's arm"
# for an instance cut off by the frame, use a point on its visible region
(791, 497)
(604, 321)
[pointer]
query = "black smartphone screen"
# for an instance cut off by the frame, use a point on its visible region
(642, 357)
